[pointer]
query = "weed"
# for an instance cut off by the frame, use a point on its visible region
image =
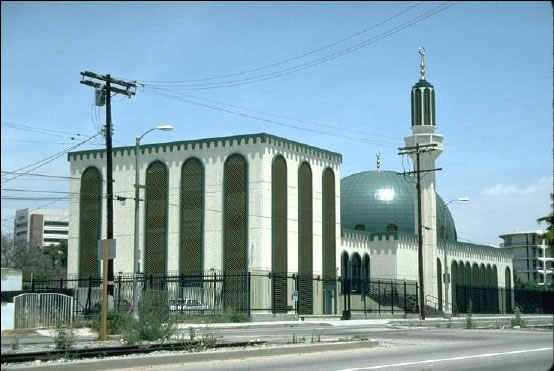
(469, 320)
(517, 321)
(64, 338)
(192, 333)
(15, 343)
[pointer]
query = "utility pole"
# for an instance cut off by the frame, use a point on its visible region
(417, 149)
(127, 88)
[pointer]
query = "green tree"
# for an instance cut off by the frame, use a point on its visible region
(548, 235)
(30, 260)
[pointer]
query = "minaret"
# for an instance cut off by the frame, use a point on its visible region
(423, 133)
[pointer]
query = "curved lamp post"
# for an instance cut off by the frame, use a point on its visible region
(136, 254)
(446, 278)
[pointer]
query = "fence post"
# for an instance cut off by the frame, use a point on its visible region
(33, 284)
(392, 296)
(118, 292)
(248, 293)
(379, 295)
(417, 297)
(405, 309)
(61, 284)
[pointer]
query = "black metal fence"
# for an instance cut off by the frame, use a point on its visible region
(502, 300)
(212, 292)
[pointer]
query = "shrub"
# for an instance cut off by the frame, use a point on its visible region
(155, 323)
(469, 315)
(233, 315)
(117, 322)
(64, 339)
(517, 321)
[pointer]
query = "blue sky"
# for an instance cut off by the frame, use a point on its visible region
(490, 63)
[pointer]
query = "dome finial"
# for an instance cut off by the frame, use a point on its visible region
(422, 64)
(378, 154)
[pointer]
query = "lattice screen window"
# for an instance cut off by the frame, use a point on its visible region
(279, 234)
(329, 229)
(192, 188)
(305, 239)
(235, 225)
(365, 268)
(356, 272)
(155, 225)
(90, 222)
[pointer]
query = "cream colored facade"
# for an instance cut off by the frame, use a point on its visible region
(259, 150)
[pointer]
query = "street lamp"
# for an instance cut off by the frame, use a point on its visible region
(443, 227)
(136, 254)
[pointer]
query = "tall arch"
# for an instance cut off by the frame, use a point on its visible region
(508, 284)
(495, 287)
(345, 271)
(475, 288)
(329, 239)
(305, 239)
(329, 224)
(468, 284)
(155, 225)
(453, 285)
(366, 273)
(90, 222)
(235, 237)
(439, 283)
(191, 254)
(356, 272)
(279, 258)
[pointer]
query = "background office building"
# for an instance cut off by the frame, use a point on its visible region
(41, 227)
(533, 261)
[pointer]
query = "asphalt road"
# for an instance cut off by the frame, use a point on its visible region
(400, 349)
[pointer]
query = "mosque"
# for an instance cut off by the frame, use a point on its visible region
(268, 207)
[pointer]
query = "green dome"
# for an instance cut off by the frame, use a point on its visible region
(376, 201)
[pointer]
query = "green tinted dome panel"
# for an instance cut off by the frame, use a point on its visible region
(377, 200)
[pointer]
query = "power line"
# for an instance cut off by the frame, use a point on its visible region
(58, 133)
(291, 59)
(47, 160)
(270, 121)
(309, 64)
(314, 123)
(41, 175)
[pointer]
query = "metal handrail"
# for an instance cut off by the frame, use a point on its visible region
(435, 301)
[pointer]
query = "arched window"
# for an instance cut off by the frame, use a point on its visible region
(235, 222)
(90, 222)
(192, 218)
(279, 259)
(475, 291)
(345, 272)
(155, 226)
(508, 284)
(366, 272)
(495, 288)
(356, 272)
(329, 227)
(453, 285)
(391, 228)
(305, 239)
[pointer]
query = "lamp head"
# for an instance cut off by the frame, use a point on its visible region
(165, 127)
(463, 199)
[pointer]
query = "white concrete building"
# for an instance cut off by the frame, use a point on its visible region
(270, 207)
(41, 227)
(533, 261)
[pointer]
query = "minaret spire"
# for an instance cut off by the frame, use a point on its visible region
(422, 64)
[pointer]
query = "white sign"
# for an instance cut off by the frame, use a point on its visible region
(295, 295)
(111, 249)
